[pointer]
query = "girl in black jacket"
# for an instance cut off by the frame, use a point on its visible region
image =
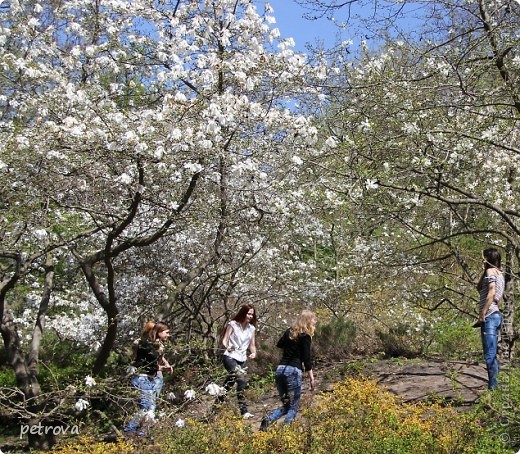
(149, 363)
(296, 359)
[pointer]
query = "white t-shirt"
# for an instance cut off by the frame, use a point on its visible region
(240, 338)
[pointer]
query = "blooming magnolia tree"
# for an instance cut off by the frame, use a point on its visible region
(428, 148)
(126, 125)
(156, 161)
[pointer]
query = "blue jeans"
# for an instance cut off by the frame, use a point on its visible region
(235, 378)
(489, 334)
(159, 383)
(289, 386)
(147, 401)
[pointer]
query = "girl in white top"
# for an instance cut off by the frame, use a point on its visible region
(239, 337)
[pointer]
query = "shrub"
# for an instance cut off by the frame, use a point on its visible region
(500, 409)
(89, 445)
(7, 377)
(397, 342)
(358, 416)
(334, 339)
(455, 341)
(362, 417)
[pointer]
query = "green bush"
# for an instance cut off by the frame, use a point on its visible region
(334, 340)
(361, 417)
(500, 409)
(7, 377)
(397, 341)
(455, 340)
(89, 444)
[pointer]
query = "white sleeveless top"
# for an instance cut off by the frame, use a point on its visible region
(240, 338)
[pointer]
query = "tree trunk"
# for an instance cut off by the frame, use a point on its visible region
(39, 433)
(508, 332)
(27, 381)
(110, 308)
(108, 342)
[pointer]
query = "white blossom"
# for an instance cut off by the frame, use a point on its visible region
(297, 160)
(149, 416)
(33, 22)
(180, 423)
(215, 390)
(193, 167)
(189, 394)
(371, 184)
(331, 142)
(90, 381)
(81, 405)
(41, 234)
(96, 345)
(365, 125)
(125, 178)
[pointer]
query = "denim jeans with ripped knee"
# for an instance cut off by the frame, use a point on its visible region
(289, 386)
(489, 334)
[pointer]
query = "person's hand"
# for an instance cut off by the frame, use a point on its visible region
(252, 355)
(166, 367)
(313, 384)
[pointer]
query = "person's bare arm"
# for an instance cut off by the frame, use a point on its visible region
(311, 378)
(225, 340)
(252, 347)
(165, 365)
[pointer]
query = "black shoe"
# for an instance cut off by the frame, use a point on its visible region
(264, 424)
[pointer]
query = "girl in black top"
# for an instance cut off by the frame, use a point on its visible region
(296, 359)
(149, 363)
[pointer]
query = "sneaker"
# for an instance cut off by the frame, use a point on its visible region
(247, 415)
(264, 424)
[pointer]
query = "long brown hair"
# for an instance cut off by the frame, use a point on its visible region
(148, 326)
(241, 315)
(151, 330)
(493, 259)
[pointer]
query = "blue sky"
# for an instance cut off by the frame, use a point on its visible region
(290, 22)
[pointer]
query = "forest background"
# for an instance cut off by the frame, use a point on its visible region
(174, 159)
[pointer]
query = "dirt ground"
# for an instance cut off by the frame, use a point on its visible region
(459, 382)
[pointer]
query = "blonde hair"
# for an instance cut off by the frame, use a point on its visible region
(303, 324)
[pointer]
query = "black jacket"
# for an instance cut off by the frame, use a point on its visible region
(296, 351)
(147, 357)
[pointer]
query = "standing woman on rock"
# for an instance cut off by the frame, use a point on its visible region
(239, 336)
(296, 358)
(491, 289)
